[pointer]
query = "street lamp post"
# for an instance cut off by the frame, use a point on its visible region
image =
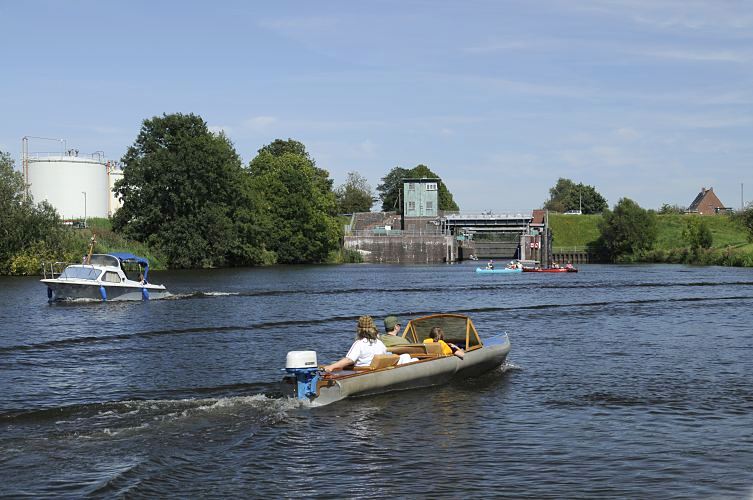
(84, 193)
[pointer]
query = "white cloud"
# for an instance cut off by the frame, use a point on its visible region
(720, 56)
(216, 129)
(627, 134)
(259, 123)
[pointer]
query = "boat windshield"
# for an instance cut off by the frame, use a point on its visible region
(457, 330)
(99, 259)
(80, 272)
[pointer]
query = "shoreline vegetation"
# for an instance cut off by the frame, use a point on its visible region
(188, 202)
(729, 244)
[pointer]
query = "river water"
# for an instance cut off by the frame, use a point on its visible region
(623, 381)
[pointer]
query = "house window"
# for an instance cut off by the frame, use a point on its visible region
(411, 205)
(429, 205)
(411, 186)
(431, 186)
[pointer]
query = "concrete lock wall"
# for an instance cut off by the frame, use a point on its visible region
(403, 249)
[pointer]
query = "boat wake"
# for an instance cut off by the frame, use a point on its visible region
(110, 419)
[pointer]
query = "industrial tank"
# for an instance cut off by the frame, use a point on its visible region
(115, 173)
(76, 186)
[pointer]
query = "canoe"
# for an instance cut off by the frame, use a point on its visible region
(483, 270)
(551, 270)
(308, 382)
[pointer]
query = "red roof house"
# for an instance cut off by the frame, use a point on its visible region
(706, 203)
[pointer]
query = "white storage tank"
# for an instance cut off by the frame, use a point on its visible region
(115, 173)
(63, 180)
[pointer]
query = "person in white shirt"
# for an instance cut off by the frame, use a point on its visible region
(363, 349)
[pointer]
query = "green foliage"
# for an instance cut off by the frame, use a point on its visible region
(745, 220)
(569, 231)
(346, 256)
(566, 195)
(26, 228)
(295, 209)
(389, 189)
(392, 183)
(697, 234)
(671, 209)
(629, 230)
(279, 147)
(355, 195)
(724, 229)
(185, 193)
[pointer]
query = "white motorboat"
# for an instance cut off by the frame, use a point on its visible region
(115, 276)
(307, 381)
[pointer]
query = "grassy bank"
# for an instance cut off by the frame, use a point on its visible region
(730, 244)
(74, 244)
(574, 230)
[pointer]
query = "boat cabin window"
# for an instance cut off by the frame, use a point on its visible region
(111, 277)
(80, 273)
(133, 270)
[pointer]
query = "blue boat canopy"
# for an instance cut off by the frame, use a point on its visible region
(129, 257)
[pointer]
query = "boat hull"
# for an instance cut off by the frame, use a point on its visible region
(425, 373)
(503, 270)
(558, 270)
(62, 290)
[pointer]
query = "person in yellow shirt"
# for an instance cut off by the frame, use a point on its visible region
(437, 335)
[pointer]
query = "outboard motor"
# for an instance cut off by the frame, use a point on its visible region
(301, 365)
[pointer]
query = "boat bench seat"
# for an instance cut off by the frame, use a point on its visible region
(417, 349)
(378, 362)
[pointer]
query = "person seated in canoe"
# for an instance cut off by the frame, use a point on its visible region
(511, 265)
(437, 335)
(568, 266)
(490, 264)
(555, 265)
(363, 349)
(391, 335)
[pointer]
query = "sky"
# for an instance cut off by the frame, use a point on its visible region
(645, 99)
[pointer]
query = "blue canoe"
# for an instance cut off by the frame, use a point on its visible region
(495, 271)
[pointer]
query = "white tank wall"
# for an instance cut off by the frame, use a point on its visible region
(62, 180)
(115, 204)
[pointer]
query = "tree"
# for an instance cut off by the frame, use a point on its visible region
(389, 189)
(566, 195)
(697, 234)
(295, 207)
(355, 195)
(745, 218)
(666, 208)
(185, 192)
(279, 147)
(392, 183)
(628, 230)
(25, 225)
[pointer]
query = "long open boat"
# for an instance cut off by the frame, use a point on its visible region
(501, 270)
(306, 381)
(551, 270)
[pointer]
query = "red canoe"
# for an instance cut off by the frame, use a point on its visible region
(550, 270)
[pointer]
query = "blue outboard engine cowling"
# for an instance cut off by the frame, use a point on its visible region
(302, 365)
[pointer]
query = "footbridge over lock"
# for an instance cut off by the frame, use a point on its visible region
(503, 235)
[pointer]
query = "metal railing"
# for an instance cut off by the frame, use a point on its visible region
(573, 249)
(395, 232)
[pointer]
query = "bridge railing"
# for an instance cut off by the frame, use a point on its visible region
(507, 214)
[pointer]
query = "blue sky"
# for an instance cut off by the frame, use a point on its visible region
(645, 99)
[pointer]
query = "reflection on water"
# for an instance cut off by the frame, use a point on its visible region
(629, 381)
